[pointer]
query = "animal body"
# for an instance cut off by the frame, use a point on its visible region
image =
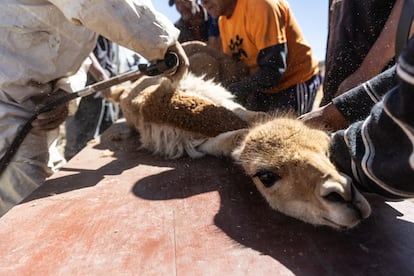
(176, 120)
(287, 160)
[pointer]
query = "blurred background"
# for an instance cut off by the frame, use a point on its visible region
(312, 17)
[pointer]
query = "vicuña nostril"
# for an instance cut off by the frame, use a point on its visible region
(356, 209)
(334, 197)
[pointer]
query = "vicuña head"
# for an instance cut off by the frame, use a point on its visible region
(289, 164)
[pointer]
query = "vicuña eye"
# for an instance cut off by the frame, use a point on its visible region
(268, 178)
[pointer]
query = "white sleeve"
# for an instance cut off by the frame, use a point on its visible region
(133, 24)
(76, 81)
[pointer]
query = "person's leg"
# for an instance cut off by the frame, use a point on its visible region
(70, 137)
(81, 127)
(306, 94)
(56, 160)
(298, 99)
(109, 116)
(28, 167)
(284, 101)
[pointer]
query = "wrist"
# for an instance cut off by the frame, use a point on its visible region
(335, 117)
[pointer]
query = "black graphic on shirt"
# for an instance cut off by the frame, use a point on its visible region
(236, 48)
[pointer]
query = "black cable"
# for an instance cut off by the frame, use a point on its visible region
(25, 129)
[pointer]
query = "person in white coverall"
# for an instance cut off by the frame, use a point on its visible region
(44, 43)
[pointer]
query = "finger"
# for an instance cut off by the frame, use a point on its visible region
(50, 120)
(46, 124)
(183, 62)
(54, 113)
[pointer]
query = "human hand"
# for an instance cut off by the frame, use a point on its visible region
(183, 62)
(352, 81)
(52, 119)
(327, 116)
(113, 94)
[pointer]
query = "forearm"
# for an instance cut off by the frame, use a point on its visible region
(380, 54)
(263, 79)
(272, 65)
(383, 50)
(76, 81)
(378, 151)
(137, 27)
(356, 103)
(96, 70)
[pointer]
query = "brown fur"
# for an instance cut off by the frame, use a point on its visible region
(196, 109)
(164, 105)
(213, 64)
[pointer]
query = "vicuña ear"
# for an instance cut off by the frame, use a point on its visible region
(237, 151)
(115, 93)
(224, 143)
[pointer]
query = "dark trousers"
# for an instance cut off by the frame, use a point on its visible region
(298, 98)
(91, 119)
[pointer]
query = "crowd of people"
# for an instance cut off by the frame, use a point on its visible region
(195, 23)
(366, 100)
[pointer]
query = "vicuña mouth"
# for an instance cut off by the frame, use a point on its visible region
(339, 226)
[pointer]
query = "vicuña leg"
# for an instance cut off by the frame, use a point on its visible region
(223, 144)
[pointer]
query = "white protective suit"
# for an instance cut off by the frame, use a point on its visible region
(42, 44)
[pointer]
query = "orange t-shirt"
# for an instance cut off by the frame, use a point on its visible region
(259, 24)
